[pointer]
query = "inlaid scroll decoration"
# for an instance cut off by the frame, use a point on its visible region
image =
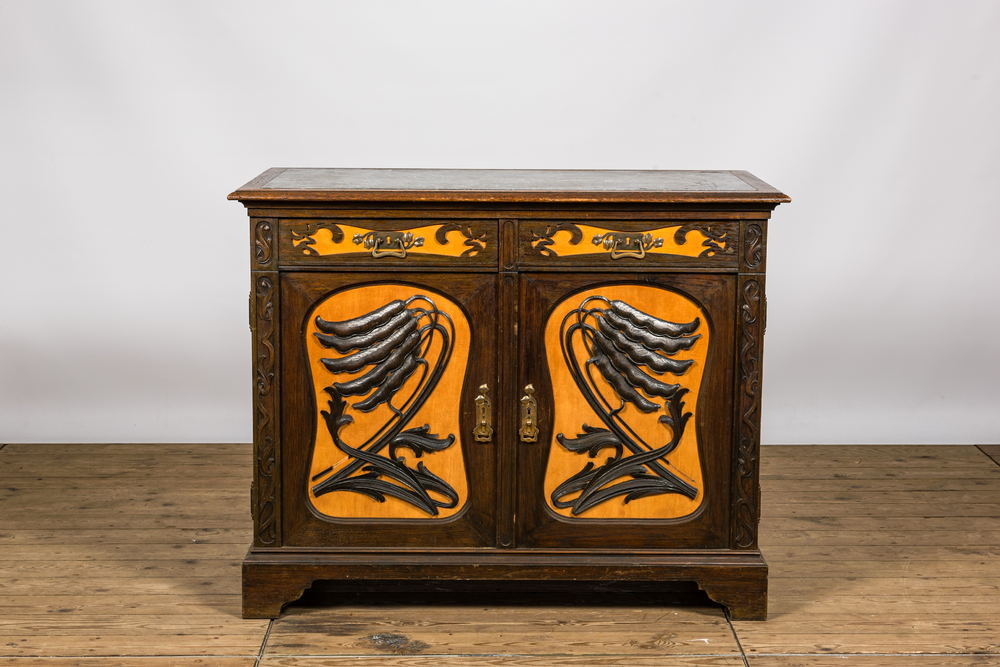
(263, 241)
(702, 240)
(619, 357)
(720, 239)
(745, 529)
(475, 241)
(543, 241)
(325, 238)
(305, 240)
(265, 489)
(391, 359)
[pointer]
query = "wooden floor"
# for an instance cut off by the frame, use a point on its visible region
(129, 555)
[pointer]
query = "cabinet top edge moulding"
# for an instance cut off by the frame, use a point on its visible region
(525, 186)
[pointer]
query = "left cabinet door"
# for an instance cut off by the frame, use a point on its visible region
(381, 397)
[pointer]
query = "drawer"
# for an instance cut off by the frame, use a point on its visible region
(382, 243)
(601, 245)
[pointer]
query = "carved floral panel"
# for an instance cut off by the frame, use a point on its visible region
(387, 364)
(626, 364)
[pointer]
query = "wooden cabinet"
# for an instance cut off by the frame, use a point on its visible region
(506, 376)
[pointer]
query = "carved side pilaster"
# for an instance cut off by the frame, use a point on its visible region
(267, 525)
(262, 243)
(746, 473)
(753, 253)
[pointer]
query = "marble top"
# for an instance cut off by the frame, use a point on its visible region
(505, 185)
(509, 180)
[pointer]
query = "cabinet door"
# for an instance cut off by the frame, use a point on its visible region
(379, 409)
(632, 378)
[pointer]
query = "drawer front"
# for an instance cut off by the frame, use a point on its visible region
(612, 244)
(380, 243)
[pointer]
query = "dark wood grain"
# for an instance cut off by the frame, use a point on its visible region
(507, 405)
(737, 580)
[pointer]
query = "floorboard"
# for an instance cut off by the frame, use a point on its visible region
(887, 551)
(129, 555)
(106, 561)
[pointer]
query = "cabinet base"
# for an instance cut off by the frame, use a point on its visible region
(735, 579)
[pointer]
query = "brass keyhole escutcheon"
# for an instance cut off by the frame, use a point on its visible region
(483, 432)
(529, 428)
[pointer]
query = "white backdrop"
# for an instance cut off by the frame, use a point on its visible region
(123, 125)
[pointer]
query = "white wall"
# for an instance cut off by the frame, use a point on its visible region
(123, 125)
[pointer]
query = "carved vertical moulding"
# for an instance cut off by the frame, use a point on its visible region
(263, 244)
(747, 511)
(265, 413)
(753, 247)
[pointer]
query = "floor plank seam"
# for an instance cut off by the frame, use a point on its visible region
(736, 638)
(130, 656)
(357, 656)
(263, 644)
(992, 457)
(874, 655)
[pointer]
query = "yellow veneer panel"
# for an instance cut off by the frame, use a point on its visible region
(324, 244)
(692, 246)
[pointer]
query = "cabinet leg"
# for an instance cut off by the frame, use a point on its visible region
(268, 587)
(745, 598)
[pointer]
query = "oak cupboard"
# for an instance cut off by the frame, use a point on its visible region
(506, 375)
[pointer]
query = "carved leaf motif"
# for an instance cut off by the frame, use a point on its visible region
(626, 347)
(633, 341)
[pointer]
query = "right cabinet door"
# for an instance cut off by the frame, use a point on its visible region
(632, 379)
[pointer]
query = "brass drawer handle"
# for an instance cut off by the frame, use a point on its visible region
(484, 415)
(627, 245)
(529, 430)
(398, 242)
